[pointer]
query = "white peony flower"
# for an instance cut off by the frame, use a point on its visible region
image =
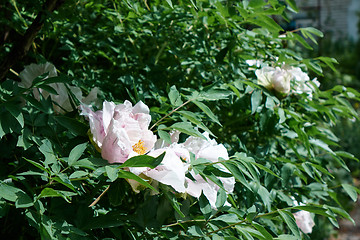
(277, 79)
(62, 100)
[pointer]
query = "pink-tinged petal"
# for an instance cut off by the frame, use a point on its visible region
(304, 221)
(108, 113)
(96, 124)
(116, 146)
(124, 132)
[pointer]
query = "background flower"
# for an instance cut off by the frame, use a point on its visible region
(304, 221)
(61, 99)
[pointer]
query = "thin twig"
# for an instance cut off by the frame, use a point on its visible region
(98, 198)
(171, 113)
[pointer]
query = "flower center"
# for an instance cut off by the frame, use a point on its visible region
(139, 147)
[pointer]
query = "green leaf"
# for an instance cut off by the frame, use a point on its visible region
(292, 5)
(112, 172)
(351, 191)
(15, 110)
(256, 98)
(143, 161)
(214, 94)
(257, 3)
(244, 232)
(319, 34)
(170, 3)
(205, 206)
(78, 174)
(38, 165)
(47, 150)
(165, 136)
(173, 201)
(262, 230)
(187, 128)
(73, 125)
(287, 237)
(290, 222)
(341, 212)
(313, 65)
(207, 111)
(317, 209)
(9, 192)
(346, 155)
(23, 200)
(194, 118)
(130, 175)
(49, 192)
(76, 153)
(321, 144)
(221, 198)
(174, 96)
(265, 197)
(265, 169)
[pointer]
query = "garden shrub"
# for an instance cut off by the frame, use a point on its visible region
(201, 122)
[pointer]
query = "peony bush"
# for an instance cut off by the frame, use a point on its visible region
(203, 120)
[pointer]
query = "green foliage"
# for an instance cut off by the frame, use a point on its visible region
(187, 61)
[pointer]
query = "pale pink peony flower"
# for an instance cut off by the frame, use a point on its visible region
(304, 221)
(120, 130)
(62, 100)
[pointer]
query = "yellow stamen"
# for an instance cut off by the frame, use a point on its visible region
(139, 147)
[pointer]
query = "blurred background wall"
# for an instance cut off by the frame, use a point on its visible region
(336, 17)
